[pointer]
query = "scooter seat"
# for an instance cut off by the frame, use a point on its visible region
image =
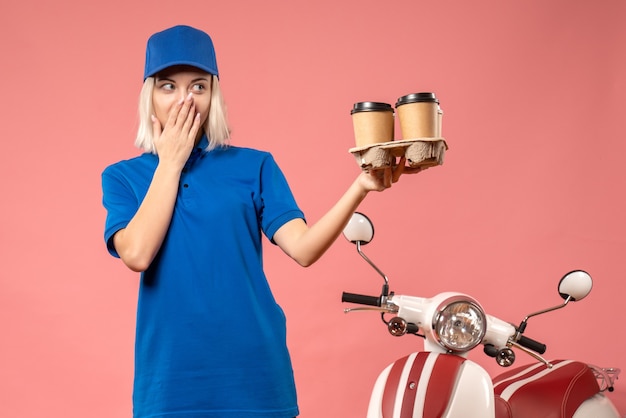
(535, 391)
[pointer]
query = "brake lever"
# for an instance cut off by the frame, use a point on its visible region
(370, 308)
(530, 353)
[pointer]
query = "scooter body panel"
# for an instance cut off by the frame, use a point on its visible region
(432, 385)
(568, 389)
(598, 406)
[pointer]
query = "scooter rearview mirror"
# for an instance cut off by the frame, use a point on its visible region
(576, 285)
(359, 229)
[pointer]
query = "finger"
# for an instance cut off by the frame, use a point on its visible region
(192, 124)
(173, 114)
(376, 177)
(413, 170)
(195, 127)
(397, 172)
(156, 127)
(185, 110)
(387, 177)
(188, 122)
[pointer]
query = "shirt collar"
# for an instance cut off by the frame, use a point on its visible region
(204, 142)
(197, 153)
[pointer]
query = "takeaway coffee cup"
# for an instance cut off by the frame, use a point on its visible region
(373, 123)
(419, 115)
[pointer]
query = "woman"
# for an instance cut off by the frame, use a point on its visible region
(189, 214)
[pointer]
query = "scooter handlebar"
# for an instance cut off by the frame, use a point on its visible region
(531, 344)
(361, 299)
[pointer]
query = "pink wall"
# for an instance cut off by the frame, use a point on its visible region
(532, 186)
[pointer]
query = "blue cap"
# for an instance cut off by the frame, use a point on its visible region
(180, 45)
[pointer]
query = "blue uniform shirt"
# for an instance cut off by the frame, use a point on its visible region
(210, 339)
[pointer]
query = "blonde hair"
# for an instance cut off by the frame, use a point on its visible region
(216, 127)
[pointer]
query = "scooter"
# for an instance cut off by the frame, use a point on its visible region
(441, 382)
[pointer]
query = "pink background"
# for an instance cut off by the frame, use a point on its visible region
(532, 186)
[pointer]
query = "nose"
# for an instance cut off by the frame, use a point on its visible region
(184, 95)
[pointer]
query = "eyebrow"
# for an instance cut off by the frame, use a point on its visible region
(207, 79)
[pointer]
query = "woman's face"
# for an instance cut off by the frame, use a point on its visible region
(176, 83)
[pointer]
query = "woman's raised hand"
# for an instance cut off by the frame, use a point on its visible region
(175, 140)
(381, 179)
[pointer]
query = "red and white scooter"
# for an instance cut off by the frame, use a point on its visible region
(440, 382)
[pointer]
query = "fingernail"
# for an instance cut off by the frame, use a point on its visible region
(189, 96)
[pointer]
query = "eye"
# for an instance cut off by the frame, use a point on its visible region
(198, 88)
(166, 86)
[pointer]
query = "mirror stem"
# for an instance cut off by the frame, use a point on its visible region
(386, 285)
(522, 326)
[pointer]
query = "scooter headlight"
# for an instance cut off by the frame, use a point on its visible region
(459, 324)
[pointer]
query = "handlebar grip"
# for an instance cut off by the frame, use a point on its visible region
(531, 344)
(360, 299)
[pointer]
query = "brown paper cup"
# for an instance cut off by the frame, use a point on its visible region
(419, 116)
(373, 123)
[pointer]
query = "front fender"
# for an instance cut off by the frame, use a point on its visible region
(432, 385)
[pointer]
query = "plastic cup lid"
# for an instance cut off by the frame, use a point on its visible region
(371, 107)
(417, 98)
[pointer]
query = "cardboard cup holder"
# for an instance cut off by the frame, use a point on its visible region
(419, 152)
